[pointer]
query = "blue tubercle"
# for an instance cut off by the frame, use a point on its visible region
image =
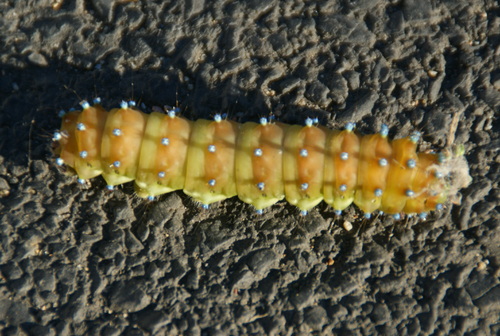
(350, 126)
(85, 104)
(415, 136)
(382, 162)
(80, 126)
(172, 113)
(384, 130)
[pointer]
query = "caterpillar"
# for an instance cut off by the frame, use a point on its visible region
(261, 163)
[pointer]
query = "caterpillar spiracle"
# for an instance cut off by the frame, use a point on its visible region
(261, 163)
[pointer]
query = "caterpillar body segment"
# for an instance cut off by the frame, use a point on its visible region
(210, 161)
(425, 185)
(121, 144)
(68, 146)
(341, 170)
(91, 121)
(303, 163)
(260, 163)
(163, 158)
(402, 168)
(374, 165)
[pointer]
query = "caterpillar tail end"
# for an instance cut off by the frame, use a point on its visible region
(456, 170)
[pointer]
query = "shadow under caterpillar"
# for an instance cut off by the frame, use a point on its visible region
(261, 163)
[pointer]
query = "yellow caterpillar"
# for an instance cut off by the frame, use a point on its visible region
(261, 163)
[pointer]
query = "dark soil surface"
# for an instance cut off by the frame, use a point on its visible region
(78, 260)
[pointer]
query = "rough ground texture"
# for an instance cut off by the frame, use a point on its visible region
(80, 260)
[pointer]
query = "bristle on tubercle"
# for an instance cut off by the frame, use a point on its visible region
(261, 163)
